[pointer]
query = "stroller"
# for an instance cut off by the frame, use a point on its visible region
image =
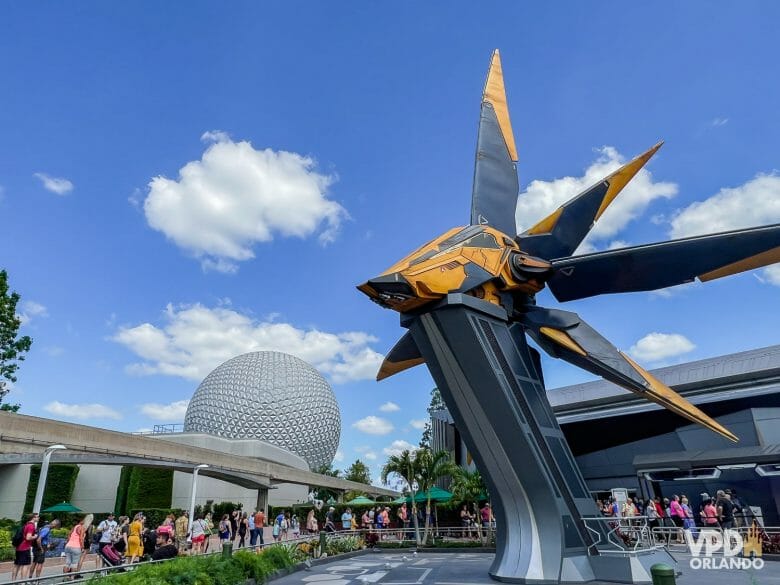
(111, 557)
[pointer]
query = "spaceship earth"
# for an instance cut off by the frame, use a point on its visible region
(271, 396)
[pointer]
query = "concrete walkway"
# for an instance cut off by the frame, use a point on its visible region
(472, 569)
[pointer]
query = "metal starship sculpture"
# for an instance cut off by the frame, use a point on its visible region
(468, 298)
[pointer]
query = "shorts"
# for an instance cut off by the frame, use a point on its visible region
(39, 555)
(677, 521)
(199, 538)
(23, 557)
(72, 556)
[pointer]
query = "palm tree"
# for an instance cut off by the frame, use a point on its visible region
(430, 468)
(468, 486)
(404, 465)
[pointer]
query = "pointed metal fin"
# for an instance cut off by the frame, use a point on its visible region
(403, 356)
(559, 234)
(654, 266)
(494, 194)
(564, 335)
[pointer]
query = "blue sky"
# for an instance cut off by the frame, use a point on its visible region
(182, 183)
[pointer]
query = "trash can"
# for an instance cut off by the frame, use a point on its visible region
(227, 550)
(323, 542)
(662, 574)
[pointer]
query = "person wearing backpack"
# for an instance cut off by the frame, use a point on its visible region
(22, 541)
(40, 546)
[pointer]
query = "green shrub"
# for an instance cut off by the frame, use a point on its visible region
(120, 504)
(222, 508)
(149, 487)
(6, 550)
(60, 482)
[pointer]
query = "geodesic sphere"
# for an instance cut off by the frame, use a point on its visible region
(271, 396)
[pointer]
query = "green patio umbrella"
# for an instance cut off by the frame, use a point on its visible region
(64, 507)
(437, 495)
(361, 501)
(401, 500)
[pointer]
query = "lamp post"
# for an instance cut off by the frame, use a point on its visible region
(42, 478)
(192, 497)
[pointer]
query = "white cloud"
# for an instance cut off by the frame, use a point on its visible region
(174, 411)
(719, 122)
(754, 203)
(772, 274)
(339, 456)
(389, 407)
(398, 446)
(236, 196)
(56, 185)
(215, 136)
(30, 310)
(418, 423)
(195, 339)
(373, 425)
(81, 411)
(658, 346)
(543, 197)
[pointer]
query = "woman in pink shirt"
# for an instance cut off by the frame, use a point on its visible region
(709, 514)
(678, 515)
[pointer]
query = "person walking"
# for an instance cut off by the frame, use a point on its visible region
(40, 546)
(107, 531)
(243, 527)
(181, 528)
(260, 526)
(86, 544)
(134, 549)
(73, 548)
(295, 527)
(251, 529)
(312, 526)
(122, 532)
(198, 534)
(725, 510)
(23, 554)
(225, 535)
(234, 525)
(346, 519)
(209, 532)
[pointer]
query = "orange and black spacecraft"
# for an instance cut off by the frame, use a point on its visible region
(489, 260)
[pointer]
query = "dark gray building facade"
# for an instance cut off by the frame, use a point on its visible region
(622, 441)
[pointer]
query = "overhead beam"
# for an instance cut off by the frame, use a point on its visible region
(20, 434)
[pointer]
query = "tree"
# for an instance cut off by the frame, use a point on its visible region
(404, 465)
(12, 350)
(468, 486)
(437, 403)
(430, 467)
(358, 472)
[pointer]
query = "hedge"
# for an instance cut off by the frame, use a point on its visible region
(149, 487)
(120, 504)
(59, 485)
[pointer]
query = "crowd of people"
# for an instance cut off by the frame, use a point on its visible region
(117, 540)
(725, 510)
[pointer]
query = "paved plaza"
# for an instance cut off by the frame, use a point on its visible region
(471, 569)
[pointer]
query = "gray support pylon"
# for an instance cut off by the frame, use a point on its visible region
(490, 383)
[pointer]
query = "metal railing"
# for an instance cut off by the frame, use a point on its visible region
(619, 536)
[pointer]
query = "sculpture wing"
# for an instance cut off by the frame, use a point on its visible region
(560, 233)
(564, 335)
(654, 266)
(402, 356)
(494, 194)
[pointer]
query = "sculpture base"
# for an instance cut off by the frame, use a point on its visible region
(491, 382)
